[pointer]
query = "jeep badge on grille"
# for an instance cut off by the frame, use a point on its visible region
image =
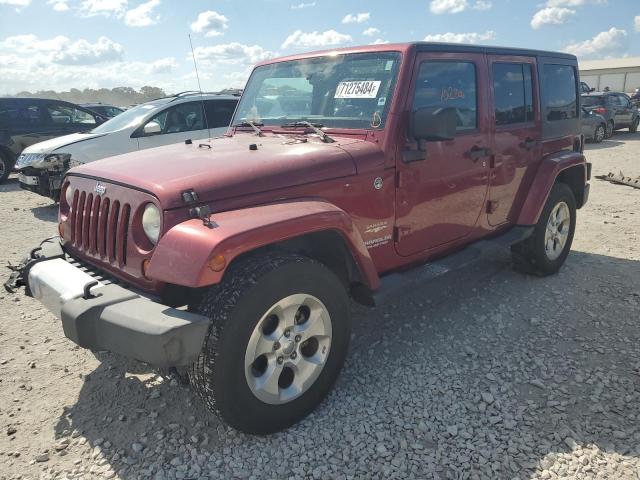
(100, 189)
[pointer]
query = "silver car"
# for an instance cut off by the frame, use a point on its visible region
(594, 126)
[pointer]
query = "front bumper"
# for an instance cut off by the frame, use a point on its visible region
(101, 316)
(41, 182)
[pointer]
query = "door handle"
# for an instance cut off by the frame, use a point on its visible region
(476, 153)
(528, 144)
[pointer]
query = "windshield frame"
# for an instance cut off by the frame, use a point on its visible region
(268, 123)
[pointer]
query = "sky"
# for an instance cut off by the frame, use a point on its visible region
(63, 44)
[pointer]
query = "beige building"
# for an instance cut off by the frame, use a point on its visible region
(619, 74)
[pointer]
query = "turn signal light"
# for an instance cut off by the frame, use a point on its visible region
(217, 263)
(145, 267)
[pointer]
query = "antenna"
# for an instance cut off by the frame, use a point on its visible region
(204, 109)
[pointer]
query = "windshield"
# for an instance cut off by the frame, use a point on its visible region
(128, 118)
(592, 101)
(337, 91)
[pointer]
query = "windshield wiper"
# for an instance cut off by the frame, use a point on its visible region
(316, 127)
(254, 125)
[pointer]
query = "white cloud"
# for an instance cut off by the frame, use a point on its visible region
(163, 65)
(370, 32)
(62, 50)
(551, 16)
(447, 6)
(356, 17)
(301, 5)
(613, 42)
(59, 5)
(15, 3)
(315, 39)
(91, 8)
(211, 23)
(469, 37)
(482, 5)
(637, 23)
(380, 41)
(573, 3)
(142, 15)
(235, 53)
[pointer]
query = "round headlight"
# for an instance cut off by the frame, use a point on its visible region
(151, 222)
(68, 196)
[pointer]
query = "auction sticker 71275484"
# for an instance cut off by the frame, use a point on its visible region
(358, 89)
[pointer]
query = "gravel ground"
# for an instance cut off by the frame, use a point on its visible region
(486, 374)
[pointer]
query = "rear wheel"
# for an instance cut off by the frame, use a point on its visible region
(6, 165)
(546, 250)
(610, 129)
(634, 125)
(277, 342)
(599, 133)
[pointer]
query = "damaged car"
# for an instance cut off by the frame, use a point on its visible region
(178, 118)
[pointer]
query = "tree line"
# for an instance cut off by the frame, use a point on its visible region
(120, 96)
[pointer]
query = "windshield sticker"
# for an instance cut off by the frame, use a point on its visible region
(382, 101)
(358, 89)
(388, 66)
(376, 120)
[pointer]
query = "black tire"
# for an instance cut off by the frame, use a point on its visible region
(530, 256)
(610, 129)
(6, 166)
(634, 125)
(599, 133)
(249, 289)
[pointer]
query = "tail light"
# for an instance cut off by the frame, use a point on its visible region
(600, 110)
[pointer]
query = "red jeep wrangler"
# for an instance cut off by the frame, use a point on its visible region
(350, 173)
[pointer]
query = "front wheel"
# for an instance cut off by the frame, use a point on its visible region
(634, 126)
(5, 166)
(610, 129)
(546, 250)
(278, 339)
(599, 134)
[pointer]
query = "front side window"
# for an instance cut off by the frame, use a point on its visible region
(23, 116)
(449, 84)
(512, 93)
(185, 117)
(68, 115)
(337, 91)
(561, 102)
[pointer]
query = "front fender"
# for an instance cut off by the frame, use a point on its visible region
(183, 254)
(550, 167)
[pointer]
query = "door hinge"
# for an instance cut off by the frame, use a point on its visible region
(396, 234)
(401, 179)
(492, 206)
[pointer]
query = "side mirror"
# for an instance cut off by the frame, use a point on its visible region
(433, 123)
(152, 128)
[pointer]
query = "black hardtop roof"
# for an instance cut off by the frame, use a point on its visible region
(491, 50)
(602, 94)
(34, 100)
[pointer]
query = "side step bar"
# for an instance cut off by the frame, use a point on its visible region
(394, 284)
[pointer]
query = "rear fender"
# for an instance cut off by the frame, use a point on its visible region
(183, 255)
(551, 168)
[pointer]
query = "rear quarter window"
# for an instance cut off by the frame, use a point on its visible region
(592, 101)
(560, 98)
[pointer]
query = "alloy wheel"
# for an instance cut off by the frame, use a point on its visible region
(599, 135)
(557, 231)
(288, 348)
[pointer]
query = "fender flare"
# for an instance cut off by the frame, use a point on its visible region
(548, 171)
(183, 253)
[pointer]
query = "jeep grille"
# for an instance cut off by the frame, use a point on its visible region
(100, 227)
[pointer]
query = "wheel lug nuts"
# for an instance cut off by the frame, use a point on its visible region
(287, 333)
(294, 355)
(280, 360)
(298, 337)
(276, 346)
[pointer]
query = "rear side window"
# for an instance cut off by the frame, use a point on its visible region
(219, 112)
(561, 102)
(512, 93)
(62, 114)
(20, 115)
(592, 101)
(449, 84)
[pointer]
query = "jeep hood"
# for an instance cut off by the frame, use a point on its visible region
(230, 168)
(53, 144)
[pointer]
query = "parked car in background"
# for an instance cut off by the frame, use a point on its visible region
(163, 121)
(594, 126)
(109, 111)
(25, 121)
(635, 97)
(615, 107)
